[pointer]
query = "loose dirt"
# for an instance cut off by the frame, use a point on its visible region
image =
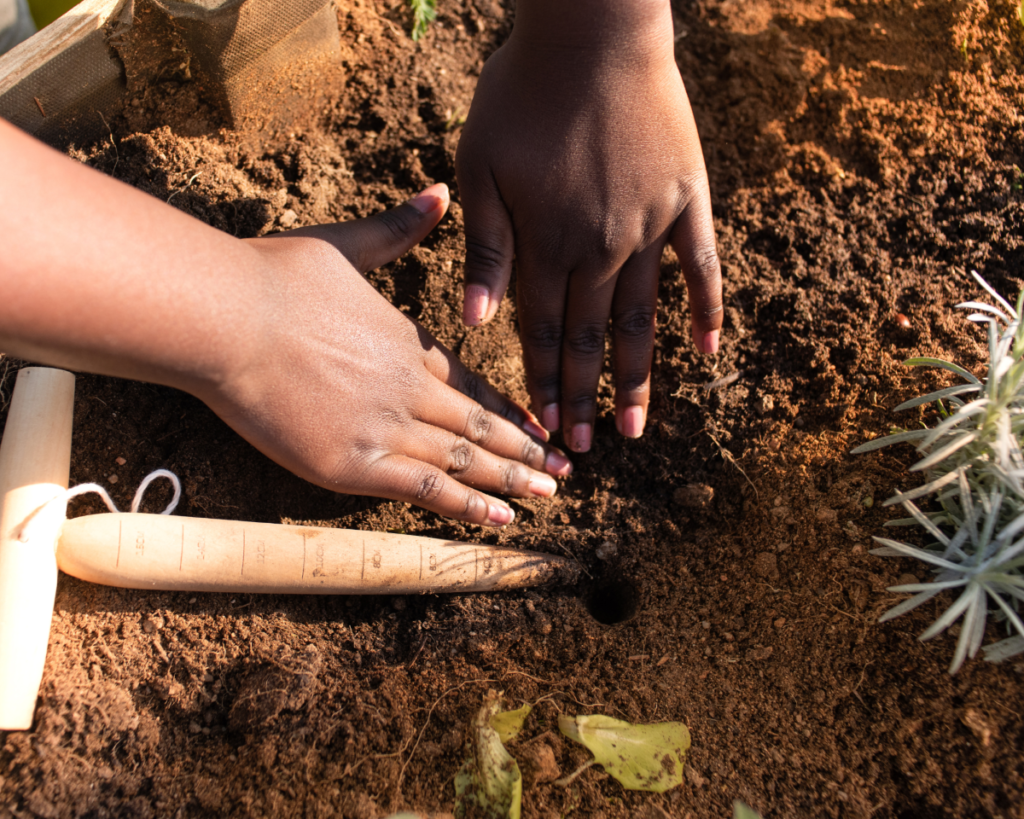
(863, 156)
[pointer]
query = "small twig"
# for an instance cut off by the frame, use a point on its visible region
(39, 105)
(724, 381)
(426, 722)
(113, 144)
(727, 455)
(566, 780)
(184, 187)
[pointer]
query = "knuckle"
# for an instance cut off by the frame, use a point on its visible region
(429, 486)
(509, 478)
(545, 336)
(531, 452)
(472, 386)
(460, 457)
(396, 224)
(707, 267)
(635, 383)
(478, 425)
(474, 507)
(581, 405)
(484, 261)
(547, 383)
(510, 413)
(636, 324)
(586, 341)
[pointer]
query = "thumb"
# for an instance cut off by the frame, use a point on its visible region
(382, 238)
(490, 245)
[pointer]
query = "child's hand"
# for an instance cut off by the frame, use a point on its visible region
(580, 157)
(349, 393)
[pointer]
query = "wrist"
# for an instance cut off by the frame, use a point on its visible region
(598, 30)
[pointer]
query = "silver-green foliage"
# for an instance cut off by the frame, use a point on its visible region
(974, 471)
(424, 13)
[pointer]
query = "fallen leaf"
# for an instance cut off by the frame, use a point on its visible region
(489, 782)
(640, 757)
(508, 724)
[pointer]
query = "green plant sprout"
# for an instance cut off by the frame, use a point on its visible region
(974, 471)
(424, 12)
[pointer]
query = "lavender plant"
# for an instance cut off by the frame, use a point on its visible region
(974, 474)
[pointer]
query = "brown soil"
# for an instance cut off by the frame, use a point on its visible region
(863, 157)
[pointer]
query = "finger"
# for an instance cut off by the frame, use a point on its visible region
(586, 325)
(541, 298)
(467, 406)
(402, 478)
(634, 312)
(473, 465)
(490, 243)
(693, 238)
(382, 238)
(443, 365)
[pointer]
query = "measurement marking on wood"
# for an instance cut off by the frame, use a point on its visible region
(120, 523)
(421, 561)
(303, 556)
(362, 569)
(476, 565)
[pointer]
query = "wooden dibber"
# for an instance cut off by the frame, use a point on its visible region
(35, 458)
(198, 554)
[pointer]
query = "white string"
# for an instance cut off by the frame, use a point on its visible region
(87, 488)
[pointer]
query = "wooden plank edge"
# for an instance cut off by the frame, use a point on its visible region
(63, 33)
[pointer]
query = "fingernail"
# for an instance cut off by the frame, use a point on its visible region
(543, 485)
(499, 515)
(536, 430)
(633, 422)
(549, 417)
(557, 464)
(425, 202)
(711, 342)
(476, 303)
(580, 437)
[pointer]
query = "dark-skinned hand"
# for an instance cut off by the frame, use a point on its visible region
(351, 394)
(580, 160)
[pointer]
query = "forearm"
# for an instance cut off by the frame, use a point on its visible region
(100, 277)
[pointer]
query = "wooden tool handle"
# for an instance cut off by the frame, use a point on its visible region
(139, 551)
(35, 458)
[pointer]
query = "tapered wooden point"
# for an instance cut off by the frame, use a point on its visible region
(35, 459)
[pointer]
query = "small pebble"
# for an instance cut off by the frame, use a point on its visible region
(903, 321)
(152, 624)
(606, 551)
(113, 479)
(120, 461)
(694, 495)
(780, 622)
(288, 218)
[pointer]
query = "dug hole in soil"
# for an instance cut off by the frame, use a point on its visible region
(863, 157)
